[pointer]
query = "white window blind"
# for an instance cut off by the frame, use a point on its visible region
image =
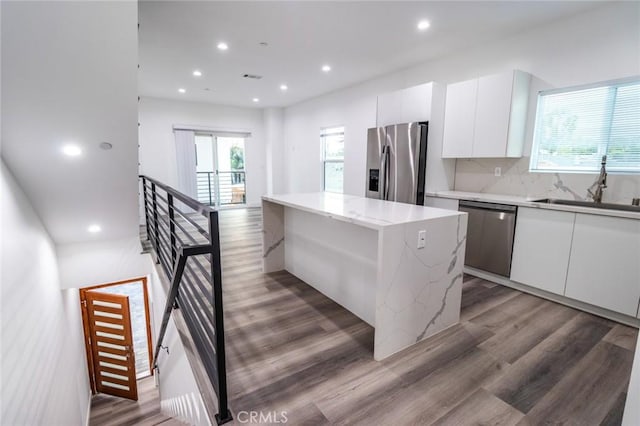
(576, 127)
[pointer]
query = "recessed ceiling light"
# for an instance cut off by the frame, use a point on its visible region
(223, 46)
(181, 90)
(256, 100)
(105, 145)
(71, 150)
(197, 73)
(326, 68)
(423, 25)
(283, 87)
(94, 229)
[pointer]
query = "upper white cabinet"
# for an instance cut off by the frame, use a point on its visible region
(459, 119)
(486, 117)
(604, 269)
(405, 106)
(541, 248)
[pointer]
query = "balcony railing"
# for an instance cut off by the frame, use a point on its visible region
(230, 187)
(185, 237)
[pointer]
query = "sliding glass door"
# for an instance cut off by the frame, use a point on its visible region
(220, 170)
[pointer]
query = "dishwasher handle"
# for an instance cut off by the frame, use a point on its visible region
(488, 206)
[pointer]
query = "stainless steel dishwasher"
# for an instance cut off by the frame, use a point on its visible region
(490, 232)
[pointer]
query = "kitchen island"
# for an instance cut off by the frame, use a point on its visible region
(396, 266)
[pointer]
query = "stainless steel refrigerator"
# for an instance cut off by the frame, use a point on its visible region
(396, 162)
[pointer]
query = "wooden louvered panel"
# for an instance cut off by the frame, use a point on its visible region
(108, 329)
(113, 358)
(115, 321)
(112, 344)
(113, 370)
(109, 340)
(113, 378)
(121, 352)
(97, 307)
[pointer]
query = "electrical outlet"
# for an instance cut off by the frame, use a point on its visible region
(497, 171)
(422, 238)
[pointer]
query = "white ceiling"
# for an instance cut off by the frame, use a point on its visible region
(69, 76)
(360, 40)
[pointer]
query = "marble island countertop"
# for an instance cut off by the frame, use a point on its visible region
(398, 267)
(367, 212)
(529, 202)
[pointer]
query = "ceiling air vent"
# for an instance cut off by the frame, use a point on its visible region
(253, 76)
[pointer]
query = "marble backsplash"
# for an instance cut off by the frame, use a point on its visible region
(477, 175)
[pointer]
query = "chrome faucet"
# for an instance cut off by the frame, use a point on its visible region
(599, 184)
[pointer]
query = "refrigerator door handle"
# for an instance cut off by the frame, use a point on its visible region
(383, 173)
(387, 172)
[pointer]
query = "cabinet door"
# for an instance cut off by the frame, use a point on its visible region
(416, 103)
(389, 109)
(441, 203)
(459, 119)
(493, 111)
(541, 248)
(605, 263)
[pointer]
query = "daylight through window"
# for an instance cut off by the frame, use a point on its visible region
(576, 127)
(332, 139)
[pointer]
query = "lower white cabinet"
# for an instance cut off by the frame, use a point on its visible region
(441, 203)
(604, 269)
(541, 248)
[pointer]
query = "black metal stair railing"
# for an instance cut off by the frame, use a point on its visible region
(185, 237)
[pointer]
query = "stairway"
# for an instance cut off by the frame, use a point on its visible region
(107, 410)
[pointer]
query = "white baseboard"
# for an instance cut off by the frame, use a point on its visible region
(86, 423)
(596, 310)
(240, 206)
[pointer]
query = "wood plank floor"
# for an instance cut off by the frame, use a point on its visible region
(109, 410)
(514, 359)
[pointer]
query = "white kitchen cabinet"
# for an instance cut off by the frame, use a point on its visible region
(441, 203)
(604, 269)
(459, 119)
(389, 108)
(416, 103)
(486, 117)
(541, 248)
(405, 106)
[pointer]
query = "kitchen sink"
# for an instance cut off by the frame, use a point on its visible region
(608, 206)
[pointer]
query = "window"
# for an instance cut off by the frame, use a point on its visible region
(576, 127)
(332, 139)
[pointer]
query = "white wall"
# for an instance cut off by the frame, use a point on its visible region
(583, 49)
(89, 264)
(179, 394)
(632, 407)
(274, 149)
(44, 376)
(157, 147)
(355, 109)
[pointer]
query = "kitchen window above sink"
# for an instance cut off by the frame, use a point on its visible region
(575, 127)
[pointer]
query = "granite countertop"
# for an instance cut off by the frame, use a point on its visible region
(366, 212)
(529, 202)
